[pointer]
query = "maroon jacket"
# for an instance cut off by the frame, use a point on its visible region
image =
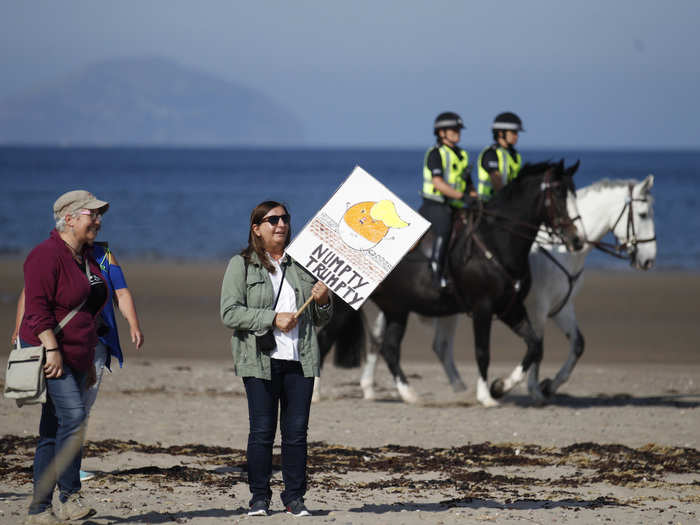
(53, 285)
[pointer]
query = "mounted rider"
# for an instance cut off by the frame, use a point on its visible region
(447, 186)
(500, 162)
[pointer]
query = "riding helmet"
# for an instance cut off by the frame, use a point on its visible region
(507, 121)
(448, 120)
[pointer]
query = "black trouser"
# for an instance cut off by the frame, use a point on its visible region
(440, 215)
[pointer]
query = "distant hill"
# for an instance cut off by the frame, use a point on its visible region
(146, 101)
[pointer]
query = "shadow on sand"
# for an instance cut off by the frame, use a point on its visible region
(478, 503)
(13, 496)
(614, 400)
(169, 517)
(183, 517)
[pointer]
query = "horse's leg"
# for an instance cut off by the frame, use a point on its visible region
(325, 343)
(316, 395)
(376, 336)
(519, 322)
(481, 321)
(566, 321)
(391, 351)
(537, 313)
(443, 346)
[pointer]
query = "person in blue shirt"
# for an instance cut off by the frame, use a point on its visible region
(108, 335)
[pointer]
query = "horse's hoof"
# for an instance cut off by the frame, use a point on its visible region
(489, 402)
(407, 393)
(368, 394)
(498, 388)
(459, 387)
(546, 387)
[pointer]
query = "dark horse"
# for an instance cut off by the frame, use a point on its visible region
(488, 273)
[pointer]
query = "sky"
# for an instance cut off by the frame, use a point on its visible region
(581, 74)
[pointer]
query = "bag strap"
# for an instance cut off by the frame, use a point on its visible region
(60, 325)
(279, 290)
(245, 279)
(75, 310)
(68, 317)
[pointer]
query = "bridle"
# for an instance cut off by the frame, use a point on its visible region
(570, 278)
(557, 220)
(628, 248)
(616, 250)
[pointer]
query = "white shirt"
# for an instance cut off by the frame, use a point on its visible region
(287, 342)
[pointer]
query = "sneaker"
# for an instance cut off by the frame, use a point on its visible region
(73, 508)
(259, 508)
(297, 508)
(43, 518)
(85, 475)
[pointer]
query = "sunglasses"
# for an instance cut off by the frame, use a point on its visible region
(275, 219)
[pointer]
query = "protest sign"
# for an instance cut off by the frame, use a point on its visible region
(357, 237)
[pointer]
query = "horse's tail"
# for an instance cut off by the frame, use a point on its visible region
(346, 330)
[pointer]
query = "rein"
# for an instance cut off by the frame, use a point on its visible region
(515, 283)
(546, 202)
(628, 248)
(571, 278)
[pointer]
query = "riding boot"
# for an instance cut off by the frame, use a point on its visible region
(437, 262)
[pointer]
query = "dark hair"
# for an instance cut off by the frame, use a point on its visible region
(255, 245)
(497, 133)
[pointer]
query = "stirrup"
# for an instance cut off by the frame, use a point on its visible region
(438, 280)
(435, 274)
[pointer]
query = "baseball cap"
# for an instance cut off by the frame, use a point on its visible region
(75, 200)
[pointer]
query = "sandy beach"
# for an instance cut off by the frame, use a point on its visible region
(619, 443)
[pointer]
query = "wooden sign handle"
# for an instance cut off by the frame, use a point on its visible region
(303, 307)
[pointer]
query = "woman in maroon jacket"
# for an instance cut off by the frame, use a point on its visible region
(60, 275)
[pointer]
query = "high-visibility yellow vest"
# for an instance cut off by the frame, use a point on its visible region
(508, 166)
(455, 167)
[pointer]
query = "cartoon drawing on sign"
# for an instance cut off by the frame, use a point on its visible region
(365, 224)
(349, 244)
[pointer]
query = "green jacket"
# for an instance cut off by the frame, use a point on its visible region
(246, 307)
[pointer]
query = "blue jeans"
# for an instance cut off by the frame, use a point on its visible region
(61, 417)
(291, 391)
(90, 395)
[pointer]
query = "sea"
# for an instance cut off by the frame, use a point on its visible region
(190, 204)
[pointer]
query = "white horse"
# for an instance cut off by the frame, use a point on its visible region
(623, 207)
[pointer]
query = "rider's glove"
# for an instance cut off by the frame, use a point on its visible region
(469, 201)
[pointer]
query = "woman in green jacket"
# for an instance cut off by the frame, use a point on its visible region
(275, 351)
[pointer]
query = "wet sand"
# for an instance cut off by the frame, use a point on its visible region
(619, 443)
(626, 317)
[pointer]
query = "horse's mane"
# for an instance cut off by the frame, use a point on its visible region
(527, 171)
(537, 168)
(606, 183)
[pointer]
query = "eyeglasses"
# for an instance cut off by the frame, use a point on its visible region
(274, 219)
(93, 214)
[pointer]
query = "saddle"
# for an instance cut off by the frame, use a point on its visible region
(465, 221)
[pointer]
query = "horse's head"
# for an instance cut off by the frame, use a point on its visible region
(557, 185)
(635, 229)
